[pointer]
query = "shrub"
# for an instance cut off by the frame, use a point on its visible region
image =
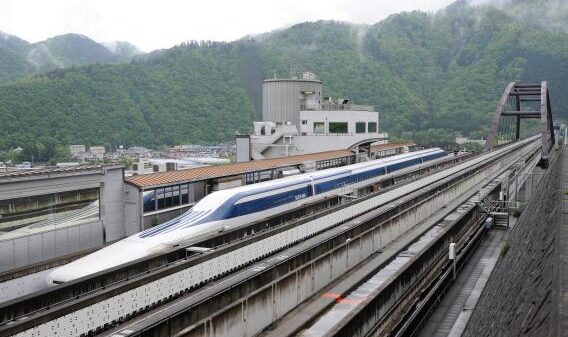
(505, 248)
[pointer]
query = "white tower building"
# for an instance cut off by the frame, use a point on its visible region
(297, 119)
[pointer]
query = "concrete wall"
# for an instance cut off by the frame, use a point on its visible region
(112, 205)
(133, 209)
(243, 148)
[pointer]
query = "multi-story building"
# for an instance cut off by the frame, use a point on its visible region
(77, 151)
(97, 152)
(297, 119)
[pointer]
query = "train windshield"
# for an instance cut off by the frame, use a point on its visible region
(190, 218)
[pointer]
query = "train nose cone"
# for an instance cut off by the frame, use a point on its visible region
(109, 257)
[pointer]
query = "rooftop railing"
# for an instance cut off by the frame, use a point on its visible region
(335, 107)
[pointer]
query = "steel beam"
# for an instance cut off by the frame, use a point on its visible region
(514, 95)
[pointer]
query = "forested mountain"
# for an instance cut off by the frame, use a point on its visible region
(12, 64)
(429, 75)
(12, 43)
(124, 50)
(550, 14)
(19, 58)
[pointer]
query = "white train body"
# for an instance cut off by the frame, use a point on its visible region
(236, 207)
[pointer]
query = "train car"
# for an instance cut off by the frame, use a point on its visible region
(236, 207)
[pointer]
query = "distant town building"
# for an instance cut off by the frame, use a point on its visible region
(139, 152)
(297, 119)
(460, 140)
(97, 152)
(24, 165)
(66, 164)
(77, 151)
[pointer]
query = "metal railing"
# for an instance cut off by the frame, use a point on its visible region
(327, 106)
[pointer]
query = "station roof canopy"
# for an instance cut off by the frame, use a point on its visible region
(151, 180)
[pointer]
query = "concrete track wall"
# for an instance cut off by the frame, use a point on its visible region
(518, 298)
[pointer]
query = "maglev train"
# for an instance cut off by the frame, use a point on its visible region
(235, 207)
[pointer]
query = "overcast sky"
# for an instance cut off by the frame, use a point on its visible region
(153, 24)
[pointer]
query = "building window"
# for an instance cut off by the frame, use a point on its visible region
(175, 196)
(360, 127)
(319, 127)
(336, 162)
(304, 122)
(338, 127)
(372, 127)
(185, 194)
(251, 178)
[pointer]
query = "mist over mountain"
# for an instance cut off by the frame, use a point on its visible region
(123, 49)
(429, 76)
(550, 14)
(19, 58)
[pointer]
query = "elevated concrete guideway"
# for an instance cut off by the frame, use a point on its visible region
(353, 221)
(386, 308)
